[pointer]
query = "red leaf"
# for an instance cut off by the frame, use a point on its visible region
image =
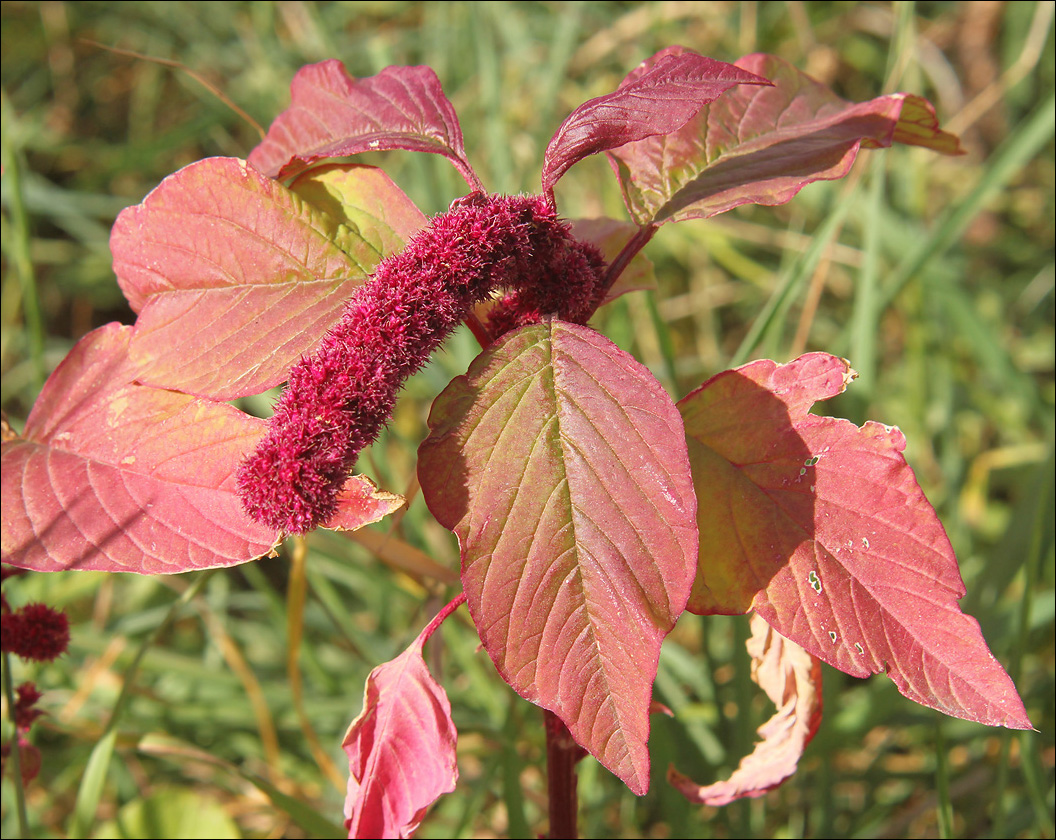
(791, 678)
(401, 749)
(235, 277)
(560, 463)
(657, 97)
(821, 527)
(117, 476)
(333, 114)
(762, 145)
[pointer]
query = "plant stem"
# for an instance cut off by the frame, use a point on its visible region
(16, 751)
(449, 608)
(296, 596)
(616, 267)
(562, 753)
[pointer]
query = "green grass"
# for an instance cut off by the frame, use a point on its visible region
(934, 276)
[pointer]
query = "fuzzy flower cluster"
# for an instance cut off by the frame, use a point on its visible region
(36, 632)
(337, 401)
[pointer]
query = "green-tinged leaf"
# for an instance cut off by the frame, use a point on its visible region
(365, 200)
(171, 812)
(560, 463)
(234, 278)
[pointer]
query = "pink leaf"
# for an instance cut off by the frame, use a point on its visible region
(117, 476)
(401, 749)
(658, 97)
(560, 463)
(235, 277)
(762, 145)
(332, 114)
(360, 503)
(791, 678)
(821, 527)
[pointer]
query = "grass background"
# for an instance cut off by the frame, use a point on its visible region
(934, 276)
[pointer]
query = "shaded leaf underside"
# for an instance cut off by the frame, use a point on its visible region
(655, 98)
(333, 114)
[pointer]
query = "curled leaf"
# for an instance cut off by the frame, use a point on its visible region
(762, 145)
(333, 114)
(791, 678)
(401, 749)
(657, 97)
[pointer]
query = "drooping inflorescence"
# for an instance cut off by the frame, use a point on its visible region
(337, 400)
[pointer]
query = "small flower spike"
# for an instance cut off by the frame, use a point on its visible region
(35, 632)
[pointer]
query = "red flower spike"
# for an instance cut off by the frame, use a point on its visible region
(337, 400)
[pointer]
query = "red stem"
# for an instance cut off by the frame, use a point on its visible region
(480, 332)
(616, 267)
(451, 606)
(562, 754)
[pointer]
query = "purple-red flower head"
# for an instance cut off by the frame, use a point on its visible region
(337, 401)
(35, 632)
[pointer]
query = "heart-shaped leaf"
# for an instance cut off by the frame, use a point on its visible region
(401, 749)
(560, 463)
(762, 145)
(791, 678)
(234, 277)
(333, 114)
(116, 476)
(658, 97)
(821, 527)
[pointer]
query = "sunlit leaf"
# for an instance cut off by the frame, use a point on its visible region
(821, 527)
(560, 463)
(112, 475)
(762, 145)
(365, 200)
(234, 277)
